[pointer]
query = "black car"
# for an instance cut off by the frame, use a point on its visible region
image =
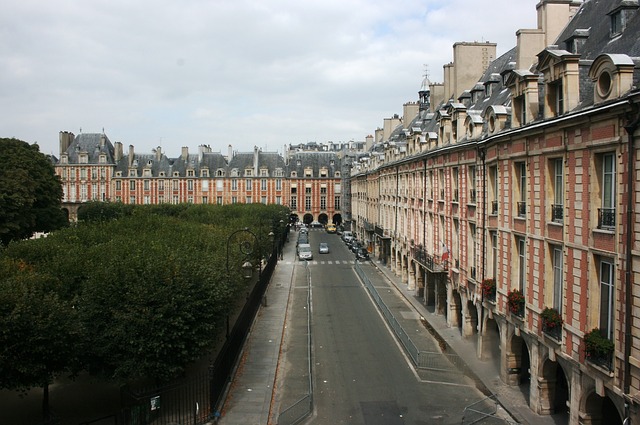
(362, 254)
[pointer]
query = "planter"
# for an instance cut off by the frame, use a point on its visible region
(551, 323)
(488, 287)
(599, 349)
(515, 302)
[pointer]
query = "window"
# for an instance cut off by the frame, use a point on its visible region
(493, 188)
(146, 185)
(521, 104)
(307, 203)
(219, 200)
(263, 200)
(494, 253)
(337, 188)
(473, 250)
(248, 172)
(336, 203)
(190, 173)
(323, 202)
(454, 175)
(83, 173)
(607, 213)
(249, 184)
(132, 185)
(118, 185)
(175, 184)
(522, 263)
(294, 202)
(557, 208)
(189, 184)
(264, 172)
(606, 298)
(248, 200)
(205, 185)
(234, 184)
(472, 184)
(263, 184)
(616, 23)
(278, 184)
(556, 260)
(556, 98)
(220, 185)
(234, 199)
(160, 184)
(521, 176)
(307, 190)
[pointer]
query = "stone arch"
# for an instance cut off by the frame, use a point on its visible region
(518, 364)
(454, 316)
(323, 218)
(597, 410)
(553, 390)
(307, 218)
(337, 219)
(470, 314)
(491, 341)
(404, 272)
(413, 273)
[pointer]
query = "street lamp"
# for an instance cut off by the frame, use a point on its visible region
(246, 245)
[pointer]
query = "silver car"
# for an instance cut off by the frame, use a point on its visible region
(323, 248)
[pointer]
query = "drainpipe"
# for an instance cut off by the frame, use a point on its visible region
(630, 127)
(482, 154)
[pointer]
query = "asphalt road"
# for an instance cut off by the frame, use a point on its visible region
(361, 375)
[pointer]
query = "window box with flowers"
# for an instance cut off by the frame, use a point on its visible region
(552, 323)
(489, 289)
(515, 302)
(599, 349)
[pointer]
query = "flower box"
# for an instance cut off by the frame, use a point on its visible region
(515, 302)
(552, 323)
(599, 349)
(488, 287)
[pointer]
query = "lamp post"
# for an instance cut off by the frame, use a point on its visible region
(246, 245)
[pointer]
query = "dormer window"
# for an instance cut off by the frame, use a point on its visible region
(612, 75)
(248, 172)
(616, 23)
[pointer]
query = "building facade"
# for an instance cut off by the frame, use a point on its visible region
(92, 168)
(511, 208)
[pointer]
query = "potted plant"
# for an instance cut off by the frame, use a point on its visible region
(551, 322)
(488, 287)
(515, 302)
(598, 348)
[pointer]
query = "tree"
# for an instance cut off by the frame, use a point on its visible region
(30, 192)
(39, 331)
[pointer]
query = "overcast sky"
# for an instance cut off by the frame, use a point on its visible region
(248, 73)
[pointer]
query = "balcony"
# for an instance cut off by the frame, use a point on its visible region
(522, 209)
(557, 213)
(606, 218)
(431, 262)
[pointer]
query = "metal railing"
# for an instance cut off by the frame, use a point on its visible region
(606, 218)
(485, 411)
(431, 360)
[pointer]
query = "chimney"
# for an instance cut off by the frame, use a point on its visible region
(410, 111)
(256, 158)
(65, 140)
(103, 140)
(131, 153)
(158, 153)
(437, 95)
(185, 153)
(229, 153)
(117, 151)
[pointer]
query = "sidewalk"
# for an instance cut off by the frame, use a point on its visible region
(511, 398)
(249, 398)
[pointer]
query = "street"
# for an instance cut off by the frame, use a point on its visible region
(361, 374)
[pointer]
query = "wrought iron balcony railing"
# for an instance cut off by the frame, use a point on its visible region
(557, 213)
(606, 218)
(522, 209)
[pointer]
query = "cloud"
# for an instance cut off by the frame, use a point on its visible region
(247, 72)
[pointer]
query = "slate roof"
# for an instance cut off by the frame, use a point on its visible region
(93, 144)
(315, 160)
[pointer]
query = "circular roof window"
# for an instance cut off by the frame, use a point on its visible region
(604, 84)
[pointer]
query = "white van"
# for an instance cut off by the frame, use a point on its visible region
(304, 252)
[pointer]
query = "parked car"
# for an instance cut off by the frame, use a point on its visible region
(304, 252)
(323, 248)
(331, 228)
(317, 224)
(347, 236)
(303, 238)
(355, 246)
(362, 254)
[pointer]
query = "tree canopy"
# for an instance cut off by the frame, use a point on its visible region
(135, 293)
(30, 192)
